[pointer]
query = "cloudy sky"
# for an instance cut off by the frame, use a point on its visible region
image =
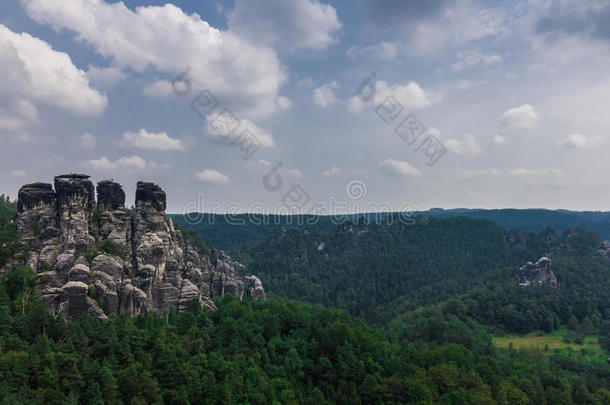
(240, 105)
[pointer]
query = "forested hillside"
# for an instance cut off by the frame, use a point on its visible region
(235, 232)
(273, 352)
(378, 271)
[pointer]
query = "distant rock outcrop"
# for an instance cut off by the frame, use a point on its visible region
(604, 251)
(99, 258)
(538, 273)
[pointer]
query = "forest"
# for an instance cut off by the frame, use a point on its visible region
(435, 346)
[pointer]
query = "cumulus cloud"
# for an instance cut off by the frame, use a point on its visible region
(524, 116)
(150, 140)
(35, 73)
(467, 144)
(289, 24)
(213, 176)
(133, 162)
(324, 96)
(164, 38)
(212, 129)
(578, 141)
(398, 168)
(87, 140)
(409, 95)
(380, 51)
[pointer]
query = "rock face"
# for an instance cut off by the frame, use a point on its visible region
(604, 251)
(538, 273)
(99, 258)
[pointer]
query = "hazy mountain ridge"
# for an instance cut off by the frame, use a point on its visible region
(232, 233)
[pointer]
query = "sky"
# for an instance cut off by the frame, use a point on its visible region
(326, 106)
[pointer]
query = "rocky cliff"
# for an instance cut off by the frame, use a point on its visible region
(538, 273)
(97, 257)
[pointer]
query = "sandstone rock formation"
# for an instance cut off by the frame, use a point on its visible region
(538, 273)
(99, 258)
(604, 251)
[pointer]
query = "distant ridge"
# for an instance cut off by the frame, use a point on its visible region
(219, 230)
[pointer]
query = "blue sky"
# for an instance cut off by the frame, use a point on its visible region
(515, 92)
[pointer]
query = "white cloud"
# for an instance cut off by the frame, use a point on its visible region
(528, 176)
(15, 118)
(289, 24)
(524, 116)
(284, 103)
(26, 110)
(32, 72)
(470, 173)
(475, 58)
(355, 104)
(459, 24)
(468, 144)
(263, 166)
(18, 173)
(499, 139)
(212, 130)
(264, 163)
(379, 51)
(105, 77)
(160, 88)
(150, 140)
(306, 81)
(409, 95)
(87, 140)
(213, 176)
(245, 76)
(324, 95)
(536, 172)
(578, 141)
(398, 168)
(294, 173)
(10, 122)
(538, 176)
(127, 162)
(333, 171)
